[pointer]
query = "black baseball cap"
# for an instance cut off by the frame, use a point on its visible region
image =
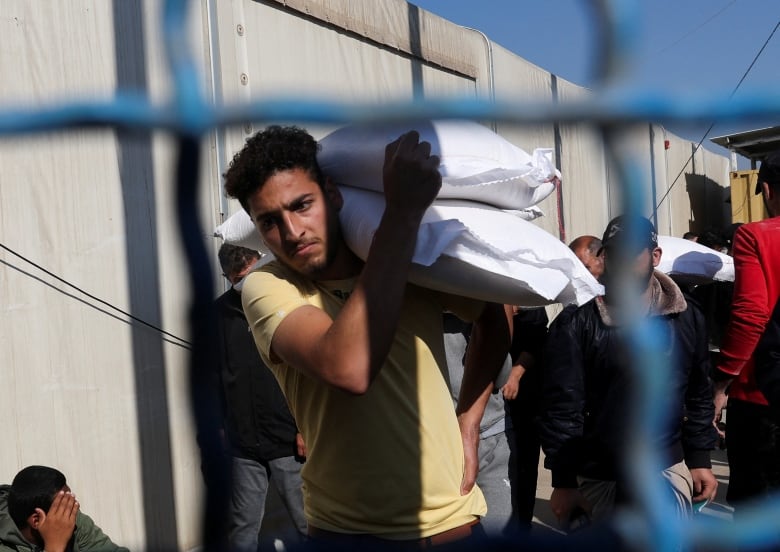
(769, 171)
(634, 233)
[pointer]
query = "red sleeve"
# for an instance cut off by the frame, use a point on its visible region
(750, 311)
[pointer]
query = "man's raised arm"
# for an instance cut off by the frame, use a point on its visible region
(348, 351)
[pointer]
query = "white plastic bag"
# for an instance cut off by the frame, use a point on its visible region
(479, 252)
(689, 262)
(476, 163)
(238, 229)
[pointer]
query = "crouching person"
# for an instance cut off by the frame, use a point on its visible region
(38, 511)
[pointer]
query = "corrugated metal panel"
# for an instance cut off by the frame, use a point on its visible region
(395, 24)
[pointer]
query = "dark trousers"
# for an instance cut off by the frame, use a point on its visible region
(753, 446)
(523, 412)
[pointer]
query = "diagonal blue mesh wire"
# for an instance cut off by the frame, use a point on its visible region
(189, 115)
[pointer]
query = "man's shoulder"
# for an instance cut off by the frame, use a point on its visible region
(275, 270)
(572, 314)
(759, 227)
(91, 537)
(11, 539)
(230, 297)
(274, 277)
(760, 238)
(586, 310)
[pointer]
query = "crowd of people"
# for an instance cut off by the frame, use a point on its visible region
(368, 364)
(388, 415)
(423, 427)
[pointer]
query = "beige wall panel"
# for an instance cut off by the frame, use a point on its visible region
(66, 358)
(517, 80)
(585, 185)
(715, 193)
(47, 60)
(178, 447)
(585, 197)
(352, 70)
(96, 209)
(70, 358)
(658, 175)
(673, 213)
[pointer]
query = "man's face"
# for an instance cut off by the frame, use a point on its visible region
(769, 196)
(639, 270)
(235, 277)
(298, 221)
(594, 263)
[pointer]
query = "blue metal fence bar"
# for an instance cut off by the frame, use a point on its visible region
(610, 108)
(660, 530)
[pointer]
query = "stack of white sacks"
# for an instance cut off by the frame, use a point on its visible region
(476, 239)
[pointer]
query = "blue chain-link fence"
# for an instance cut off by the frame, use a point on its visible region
(189, 115)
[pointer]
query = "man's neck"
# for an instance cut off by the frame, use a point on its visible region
(344, 265)
(646, 300)
(649, 295)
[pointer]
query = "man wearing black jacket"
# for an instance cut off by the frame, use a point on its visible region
(589, 387)
(260, 433)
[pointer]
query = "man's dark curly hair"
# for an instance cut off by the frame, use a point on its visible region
(269, 151)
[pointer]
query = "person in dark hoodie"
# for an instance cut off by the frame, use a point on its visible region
(38, 512)
(260, 433)
(588, 387)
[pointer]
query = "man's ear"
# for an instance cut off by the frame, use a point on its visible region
(36, 518)
(768, 191)
(656, 253)
(333, 194)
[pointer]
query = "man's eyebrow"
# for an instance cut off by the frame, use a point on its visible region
(287, 206)
(295, 202)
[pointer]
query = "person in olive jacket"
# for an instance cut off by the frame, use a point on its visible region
(39, 512)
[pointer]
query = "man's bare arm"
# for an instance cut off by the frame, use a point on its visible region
(349, 351)
(491, 337)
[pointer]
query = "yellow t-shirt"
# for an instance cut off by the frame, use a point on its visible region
(389, 462)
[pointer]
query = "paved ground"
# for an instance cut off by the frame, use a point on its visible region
(545, 521)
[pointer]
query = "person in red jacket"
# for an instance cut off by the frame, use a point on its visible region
(752, 437)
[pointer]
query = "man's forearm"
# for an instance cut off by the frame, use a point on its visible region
(488, 348)
(362, 333)
(721, 385)
(347, 352)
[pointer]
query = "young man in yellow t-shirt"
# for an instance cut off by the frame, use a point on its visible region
(359, 353)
